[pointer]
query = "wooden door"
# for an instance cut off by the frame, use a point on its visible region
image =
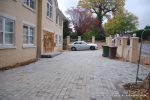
(48, 42)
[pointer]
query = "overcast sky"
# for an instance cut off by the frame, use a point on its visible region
(140, 8)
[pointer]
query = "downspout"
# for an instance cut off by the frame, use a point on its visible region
(39, 29)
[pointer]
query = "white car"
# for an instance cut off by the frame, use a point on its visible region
(82, 45)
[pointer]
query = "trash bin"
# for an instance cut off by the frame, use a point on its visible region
(112, 52)
(105, 51)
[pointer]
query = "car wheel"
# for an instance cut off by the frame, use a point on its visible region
(73, 49)
(92, 48)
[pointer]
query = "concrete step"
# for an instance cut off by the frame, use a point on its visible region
(50, 55)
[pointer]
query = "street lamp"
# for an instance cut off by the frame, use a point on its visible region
(140, 55)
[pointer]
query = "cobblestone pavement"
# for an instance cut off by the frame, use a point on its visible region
(79, 75)
(145, 48)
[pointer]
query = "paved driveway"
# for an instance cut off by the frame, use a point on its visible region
(145, 48)
(79, 75)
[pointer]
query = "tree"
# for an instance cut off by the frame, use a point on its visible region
(102, 8)
(66, 28)
(81, 19)
(147, 27)
(121, 23)
(146, 35)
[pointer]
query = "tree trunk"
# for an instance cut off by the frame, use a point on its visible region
(101, 29)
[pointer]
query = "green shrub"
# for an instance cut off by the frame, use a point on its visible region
(139, 32)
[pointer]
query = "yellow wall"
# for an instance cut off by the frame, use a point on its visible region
(15, 8)
(21, 14)
(50, 24)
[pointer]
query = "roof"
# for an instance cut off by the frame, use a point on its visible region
(59, 11)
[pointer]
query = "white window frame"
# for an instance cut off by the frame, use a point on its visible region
(50, 11)
(57, 18)
(29, 5)
(60, 21)
(4, 44)
(56, 39)
(60, 39)
(28, 35)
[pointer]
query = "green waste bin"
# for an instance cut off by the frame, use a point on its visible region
(112, 52)
(105, 51)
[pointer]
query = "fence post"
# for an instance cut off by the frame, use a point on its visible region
(106, 40)
(68, 40)
(117, 41)
(123, 45)
(93, 39)
(79, 38)
(109, 40)
(134, 43)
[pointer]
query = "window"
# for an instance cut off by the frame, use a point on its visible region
(49, 8)
(6, 31)
(30, 3)
(59, 39)
(28, 35)
(57, 18)
(60, 21)
(56, 39)
(76, 42)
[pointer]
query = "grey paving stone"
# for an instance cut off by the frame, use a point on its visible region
(80, 75)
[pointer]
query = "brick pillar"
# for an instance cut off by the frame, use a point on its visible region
(68, 40)
(79, 38)
(109, 40)
(123, 45)
(93, 39)
(106, 40)
(117, 42)
(134, 49)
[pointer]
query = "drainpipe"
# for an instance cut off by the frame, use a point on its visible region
(39, 29)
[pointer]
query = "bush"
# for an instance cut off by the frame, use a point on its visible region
(88, 35)
(138, 33)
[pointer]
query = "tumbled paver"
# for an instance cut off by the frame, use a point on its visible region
(79, 75)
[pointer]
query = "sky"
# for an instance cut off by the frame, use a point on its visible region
(140, 8)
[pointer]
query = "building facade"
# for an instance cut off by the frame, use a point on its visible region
(28, 29)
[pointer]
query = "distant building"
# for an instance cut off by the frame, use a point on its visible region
(29, 28)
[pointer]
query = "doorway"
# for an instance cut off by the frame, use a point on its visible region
(48, 42)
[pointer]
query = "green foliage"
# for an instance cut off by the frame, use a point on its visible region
(102, 8)
(66, 28)
(123, 22)
(73, 35)
(93, 32)
(138, 33)
(147, 27)
(88, 35)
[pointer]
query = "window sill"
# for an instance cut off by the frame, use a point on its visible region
(58, 45)
(31, 9)
(50, 18)
(29, 46)
(7, 47)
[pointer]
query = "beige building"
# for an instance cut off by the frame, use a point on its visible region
(28, 29)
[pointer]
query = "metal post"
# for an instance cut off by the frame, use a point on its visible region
(139, 56)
